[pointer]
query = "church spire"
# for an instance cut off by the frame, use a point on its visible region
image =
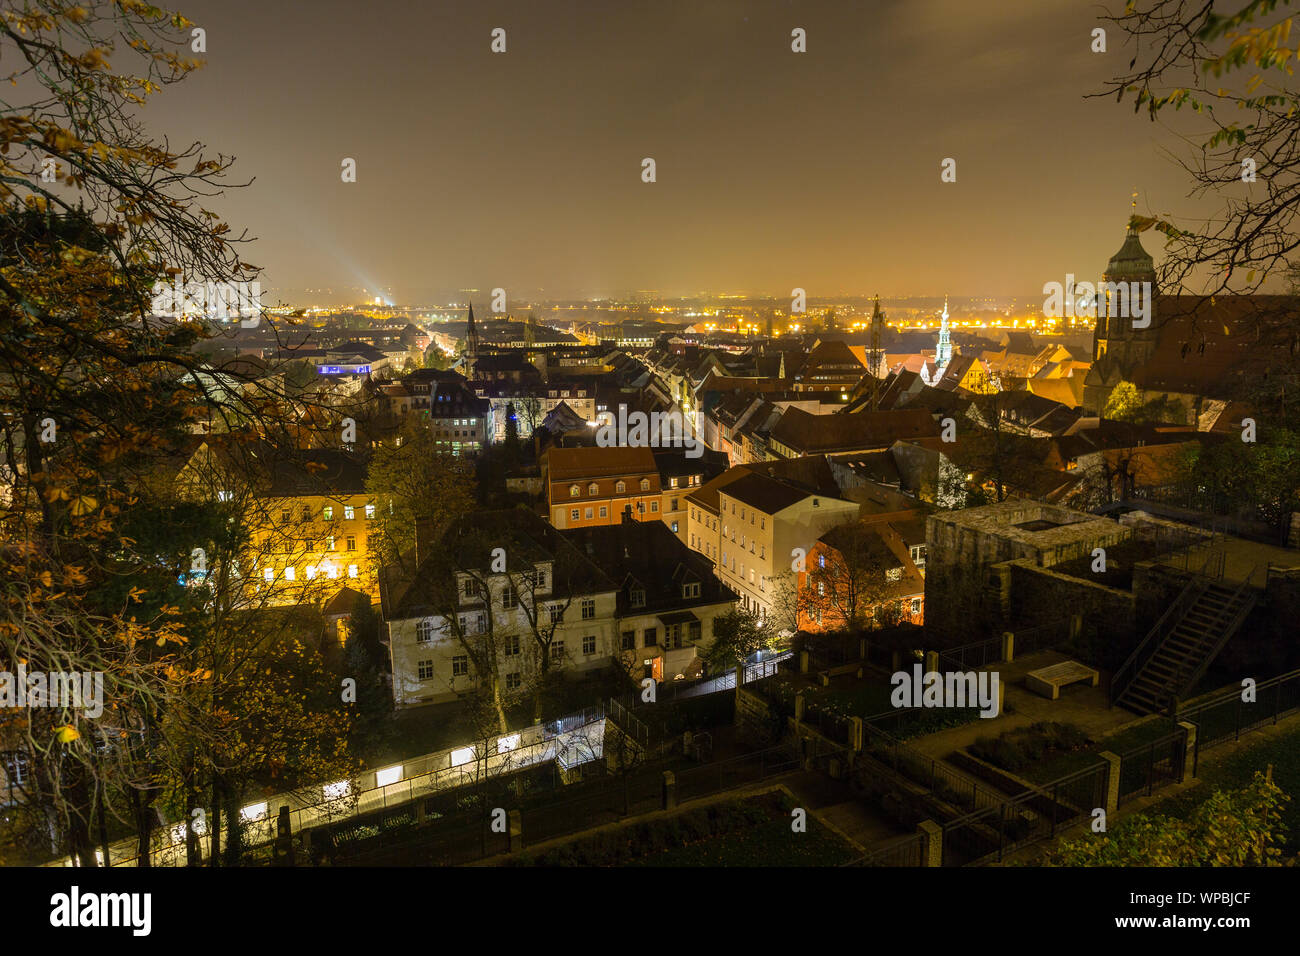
(943, 351)
(471, 344)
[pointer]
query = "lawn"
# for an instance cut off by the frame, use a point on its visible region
(1236, 770)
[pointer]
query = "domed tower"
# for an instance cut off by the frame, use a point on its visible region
(1114, 331)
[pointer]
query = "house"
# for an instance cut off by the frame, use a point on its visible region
(309, 513)
(594, 486)
(753, 522)
(565, 602)
(860, 572)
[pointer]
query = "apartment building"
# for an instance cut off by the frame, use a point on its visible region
(309, 514)
(755, 522)
(593, 486)
(504, 590)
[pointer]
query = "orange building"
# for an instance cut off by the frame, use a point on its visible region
(862, 571)
(589, 487)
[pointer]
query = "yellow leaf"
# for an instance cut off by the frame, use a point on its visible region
(67, 734)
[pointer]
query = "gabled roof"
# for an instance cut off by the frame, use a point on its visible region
(765, 494)
(566, 464)
(468, 546)
(648, 554)
(812, 473)
(821, 434)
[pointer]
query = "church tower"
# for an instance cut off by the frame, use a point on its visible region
(471, 345)
(1118, 348)
(1114, 333)
(943, 351)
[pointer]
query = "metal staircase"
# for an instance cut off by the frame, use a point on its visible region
(1182, 644)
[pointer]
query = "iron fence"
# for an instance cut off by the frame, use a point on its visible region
(1147, 768)
(1226, 716)
(905, 851)
(989, 834)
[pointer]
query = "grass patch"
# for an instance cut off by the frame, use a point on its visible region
(1237, 770)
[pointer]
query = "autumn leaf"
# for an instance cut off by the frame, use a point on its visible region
(66, 734)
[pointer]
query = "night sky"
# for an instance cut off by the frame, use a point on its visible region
(775, 169)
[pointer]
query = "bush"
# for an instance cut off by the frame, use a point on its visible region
(1017, 749)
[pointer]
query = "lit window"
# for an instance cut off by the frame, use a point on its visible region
(370, 512)
(352, 570)
(348, 512)
(587, 513)
(291, 574)
(575, 515)
(620, 487)
(327, 513)
(645, 484)
(311, 572)
(268, 574)
(593, 488)
(574, 491)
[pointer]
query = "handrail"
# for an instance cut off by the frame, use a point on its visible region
(1229, 628)
(1194, 589)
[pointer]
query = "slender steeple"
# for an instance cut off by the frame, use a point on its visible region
(471, 344)
(943, 352)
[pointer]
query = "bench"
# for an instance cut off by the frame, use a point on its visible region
(1048, 681)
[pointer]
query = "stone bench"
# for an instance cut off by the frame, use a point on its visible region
(1048, 681)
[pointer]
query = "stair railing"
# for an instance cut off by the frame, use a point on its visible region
(1243, 601)
(1155, 637)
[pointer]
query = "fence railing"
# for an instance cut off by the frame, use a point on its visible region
(1151, 766)
(905, 851)
(1225, 716)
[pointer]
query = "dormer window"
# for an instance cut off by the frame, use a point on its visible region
(620, 487)
(645, 484)
(574, 491)
(638, 597)
(593, 488)
(691, 589)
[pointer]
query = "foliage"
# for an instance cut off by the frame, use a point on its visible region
(414, 485)
(737, 635)
(1232, 828)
